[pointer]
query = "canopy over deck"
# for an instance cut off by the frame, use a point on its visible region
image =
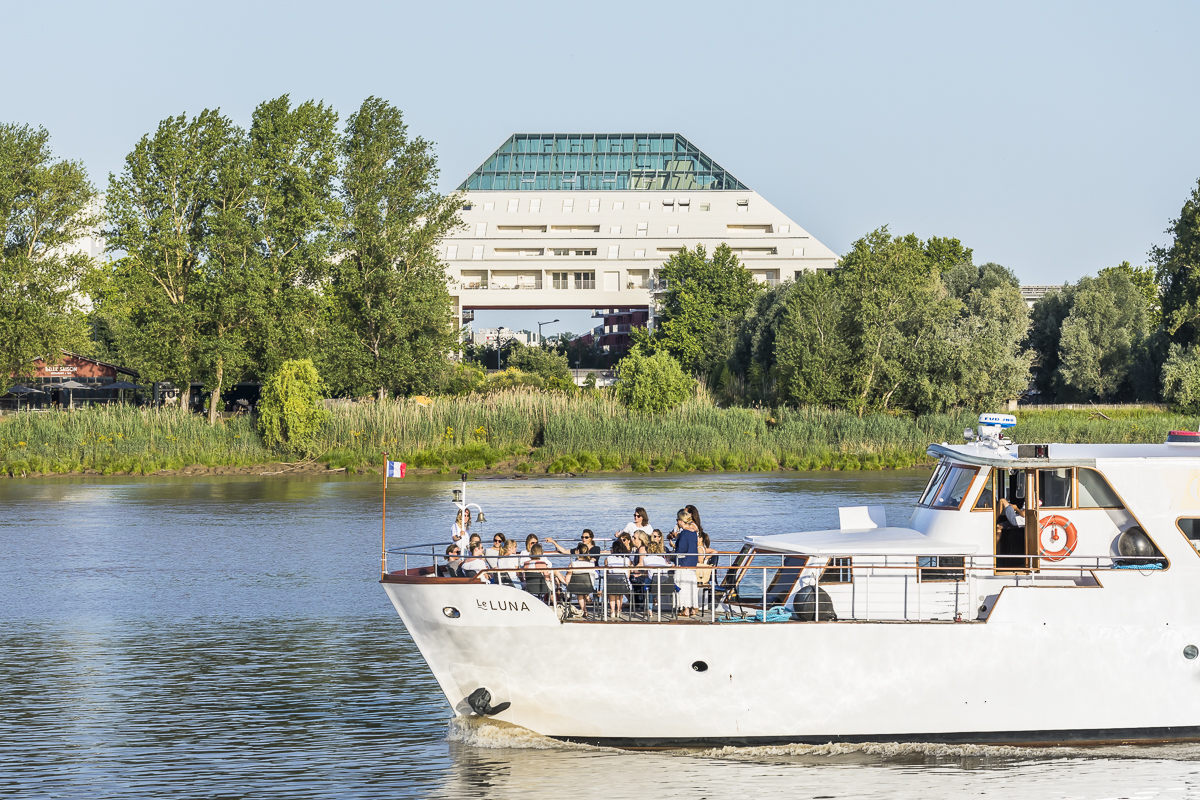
(862, 541)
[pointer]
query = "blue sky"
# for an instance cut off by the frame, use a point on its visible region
(1053, 138)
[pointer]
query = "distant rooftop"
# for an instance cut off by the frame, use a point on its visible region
(599, 161)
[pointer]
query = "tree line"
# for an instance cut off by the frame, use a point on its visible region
(916, 326)
(236, 250)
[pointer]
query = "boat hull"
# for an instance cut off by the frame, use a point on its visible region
(1021, 677)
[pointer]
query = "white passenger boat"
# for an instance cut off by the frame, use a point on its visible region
(1081, 626)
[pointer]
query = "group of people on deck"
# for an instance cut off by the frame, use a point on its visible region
(676, 557)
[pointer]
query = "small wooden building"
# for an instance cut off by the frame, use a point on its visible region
(91, 372)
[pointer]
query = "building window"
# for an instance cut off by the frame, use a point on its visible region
(668, 206)
(644, 205)
(512, 205)
(589, 252)
(480, 229)
(535, 205)
(615, 230)
(643, 228)
(452, 252)
(785, 228)
(797, 274)
(798, 251)
(705, 206)
(672, 229)
(612, 250)
(639, 253)
(489, 206)
(477, 253)
(619, 205)
(561, 252)
(594, 205)
(743, 205)
(585, 280)
(684, 205)
(562, 280)
(568, 205)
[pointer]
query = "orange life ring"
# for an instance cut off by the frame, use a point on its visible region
(1056, 538)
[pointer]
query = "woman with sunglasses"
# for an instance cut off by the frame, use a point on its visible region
(462, 524)
(640, 524)
(494, 552)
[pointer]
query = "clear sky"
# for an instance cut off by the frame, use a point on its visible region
(1053, 138)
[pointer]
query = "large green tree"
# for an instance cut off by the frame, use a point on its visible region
(45, 208)
(812, 346)
(390, 305)
(1104, 337)
(159, 211)
(1178, 271)
(705, 299)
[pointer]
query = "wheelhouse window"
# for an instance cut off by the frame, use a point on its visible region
(1191, 529)
(838, 571)
(987, 495)
(955, 483)
(939, 473)
(1094, 491)
(1054, 488)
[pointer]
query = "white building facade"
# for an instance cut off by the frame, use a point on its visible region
(566, 221)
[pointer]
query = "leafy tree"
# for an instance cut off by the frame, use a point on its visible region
(652, 383)
(1144, 279)
(812, 348)
(290, 414)
(388, 291)
(293, 156)
(158, 210)
(1102, 336)
(1181, 378)
(540, 361)
(893, 304)
(44, 209)
(1177, 267)
(704, 300)
(1044, 336)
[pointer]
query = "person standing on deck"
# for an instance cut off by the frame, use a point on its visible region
(687, 549)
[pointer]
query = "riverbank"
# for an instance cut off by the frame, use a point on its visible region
(524, 432)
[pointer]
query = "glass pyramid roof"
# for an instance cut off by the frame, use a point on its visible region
(599, 161)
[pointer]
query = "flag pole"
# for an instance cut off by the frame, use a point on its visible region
(383, 555)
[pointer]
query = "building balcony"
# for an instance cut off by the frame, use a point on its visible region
(505, 286)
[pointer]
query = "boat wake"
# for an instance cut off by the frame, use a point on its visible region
(498, 735)
(884, 750)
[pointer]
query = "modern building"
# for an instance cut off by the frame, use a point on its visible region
(585, 220)
(498, 337)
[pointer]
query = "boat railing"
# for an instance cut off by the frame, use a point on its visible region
(757, 585)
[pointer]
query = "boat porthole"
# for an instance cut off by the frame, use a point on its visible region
(700, 666)
(451, 612)
(1190, 652)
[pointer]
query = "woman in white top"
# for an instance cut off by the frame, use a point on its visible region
(475, 565)
(496, 550)
(640, 524)
(462, 525)
(509, 560)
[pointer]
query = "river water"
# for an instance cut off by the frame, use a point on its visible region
(227, 637)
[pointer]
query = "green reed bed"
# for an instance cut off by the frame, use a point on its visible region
(534, 431)
(121, 439)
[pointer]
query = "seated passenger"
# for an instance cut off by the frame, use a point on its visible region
(530, 541)
(1011, 514)
(640, 524)
(660, 583)
(507, 563)
(537, 577)
(579, 580)
(617, 580)
(453, 563)
(588, 542)
(475, 565)
(496, 550)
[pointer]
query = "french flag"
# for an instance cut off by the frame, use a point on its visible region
(395, 469)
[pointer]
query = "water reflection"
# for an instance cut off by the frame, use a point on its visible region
(227, 637)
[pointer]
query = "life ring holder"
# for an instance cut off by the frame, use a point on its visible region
(1056, 530)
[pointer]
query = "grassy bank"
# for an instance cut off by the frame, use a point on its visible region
(526, 431)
